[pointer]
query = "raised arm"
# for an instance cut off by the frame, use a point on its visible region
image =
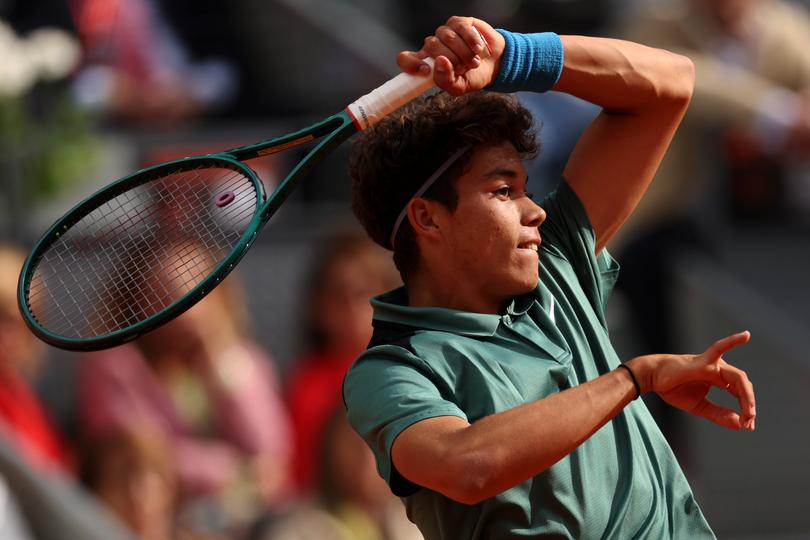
(644, 93)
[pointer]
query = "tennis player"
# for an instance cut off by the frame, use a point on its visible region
(490, 393)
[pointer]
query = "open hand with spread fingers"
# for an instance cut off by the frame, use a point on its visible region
(684, 381)
(467, 53)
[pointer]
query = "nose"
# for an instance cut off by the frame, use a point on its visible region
(533, 213)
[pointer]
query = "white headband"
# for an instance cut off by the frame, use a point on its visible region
(421, 191)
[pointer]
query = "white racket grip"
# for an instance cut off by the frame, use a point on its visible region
(371, 108)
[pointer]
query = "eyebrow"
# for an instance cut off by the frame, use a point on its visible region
(501, 171)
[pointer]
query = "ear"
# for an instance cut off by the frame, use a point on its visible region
(423, 217)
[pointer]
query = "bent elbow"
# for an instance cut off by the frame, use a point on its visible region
(682, 79)
(470, 479)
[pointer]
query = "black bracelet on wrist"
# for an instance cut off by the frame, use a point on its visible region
(633, 377)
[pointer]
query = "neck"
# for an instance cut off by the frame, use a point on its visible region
(432, 288)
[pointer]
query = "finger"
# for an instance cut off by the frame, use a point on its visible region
(720, 347)
(741, 387)
(719, 415)
(433, 47)
(456, 43)
(413, 62)
(467, 31)
(445, 78)
(492, 39)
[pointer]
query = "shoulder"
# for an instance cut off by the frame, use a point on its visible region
(427, 350)
(399, 360)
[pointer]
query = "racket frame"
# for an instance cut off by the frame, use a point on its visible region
(333, 131)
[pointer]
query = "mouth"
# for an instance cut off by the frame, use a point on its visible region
(531, 245)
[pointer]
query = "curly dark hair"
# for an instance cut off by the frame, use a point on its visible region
(389, 162)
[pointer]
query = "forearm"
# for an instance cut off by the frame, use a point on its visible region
(505, 449)
(624, 77)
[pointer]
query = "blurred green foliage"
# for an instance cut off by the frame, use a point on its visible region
(46, 142)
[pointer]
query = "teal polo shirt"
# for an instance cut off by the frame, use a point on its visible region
(623, 482)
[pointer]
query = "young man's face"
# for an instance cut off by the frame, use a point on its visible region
(493, 235)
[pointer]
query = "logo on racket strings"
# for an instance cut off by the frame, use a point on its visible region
(224, 199)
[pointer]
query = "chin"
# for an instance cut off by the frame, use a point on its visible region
(529, 287)
(524, 285)
(530, 279)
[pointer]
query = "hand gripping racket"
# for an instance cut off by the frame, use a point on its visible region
(142, 250)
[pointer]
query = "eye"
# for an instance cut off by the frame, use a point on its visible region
(504, 192)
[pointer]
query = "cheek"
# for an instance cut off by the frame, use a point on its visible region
(482, 226)
(494, 236)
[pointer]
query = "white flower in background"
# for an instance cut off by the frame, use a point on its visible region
(15, 74)
(46, 54)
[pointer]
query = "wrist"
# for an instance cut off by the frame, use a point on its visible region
(632, 376)
(531, 62)
(641, 370)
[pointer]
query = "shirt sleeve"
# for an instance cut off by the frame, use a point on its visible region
(567, 234)
(387, 390)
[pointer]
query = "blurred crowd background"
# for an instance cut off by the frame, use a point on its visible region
(228, 422)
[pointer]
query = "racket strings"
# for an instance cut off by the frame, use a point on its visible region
(137, 303)
(140, 251)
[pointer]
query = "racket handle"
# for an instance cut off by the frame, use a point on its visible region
(374, 106)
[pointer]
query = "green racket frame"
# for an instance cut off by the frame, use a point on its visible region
(335, 130)
(331, 132)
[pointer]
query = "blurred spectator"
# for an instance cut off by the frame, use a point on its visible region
(132, 473)
(749, 118)
(338, 327)
(353, 502)
(22, 415)
(753, 83)
(212, 392)
(137, 70)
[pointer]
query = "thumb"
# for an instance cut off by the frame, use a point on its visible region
(413, 62)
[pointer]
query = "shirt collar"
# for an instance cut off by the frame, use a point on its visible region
(392, 307)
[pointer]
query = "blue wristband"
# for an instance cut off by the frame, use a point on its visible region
(531, 62)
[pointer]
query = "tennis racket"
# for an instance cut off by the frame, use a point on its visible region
(144, 249)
